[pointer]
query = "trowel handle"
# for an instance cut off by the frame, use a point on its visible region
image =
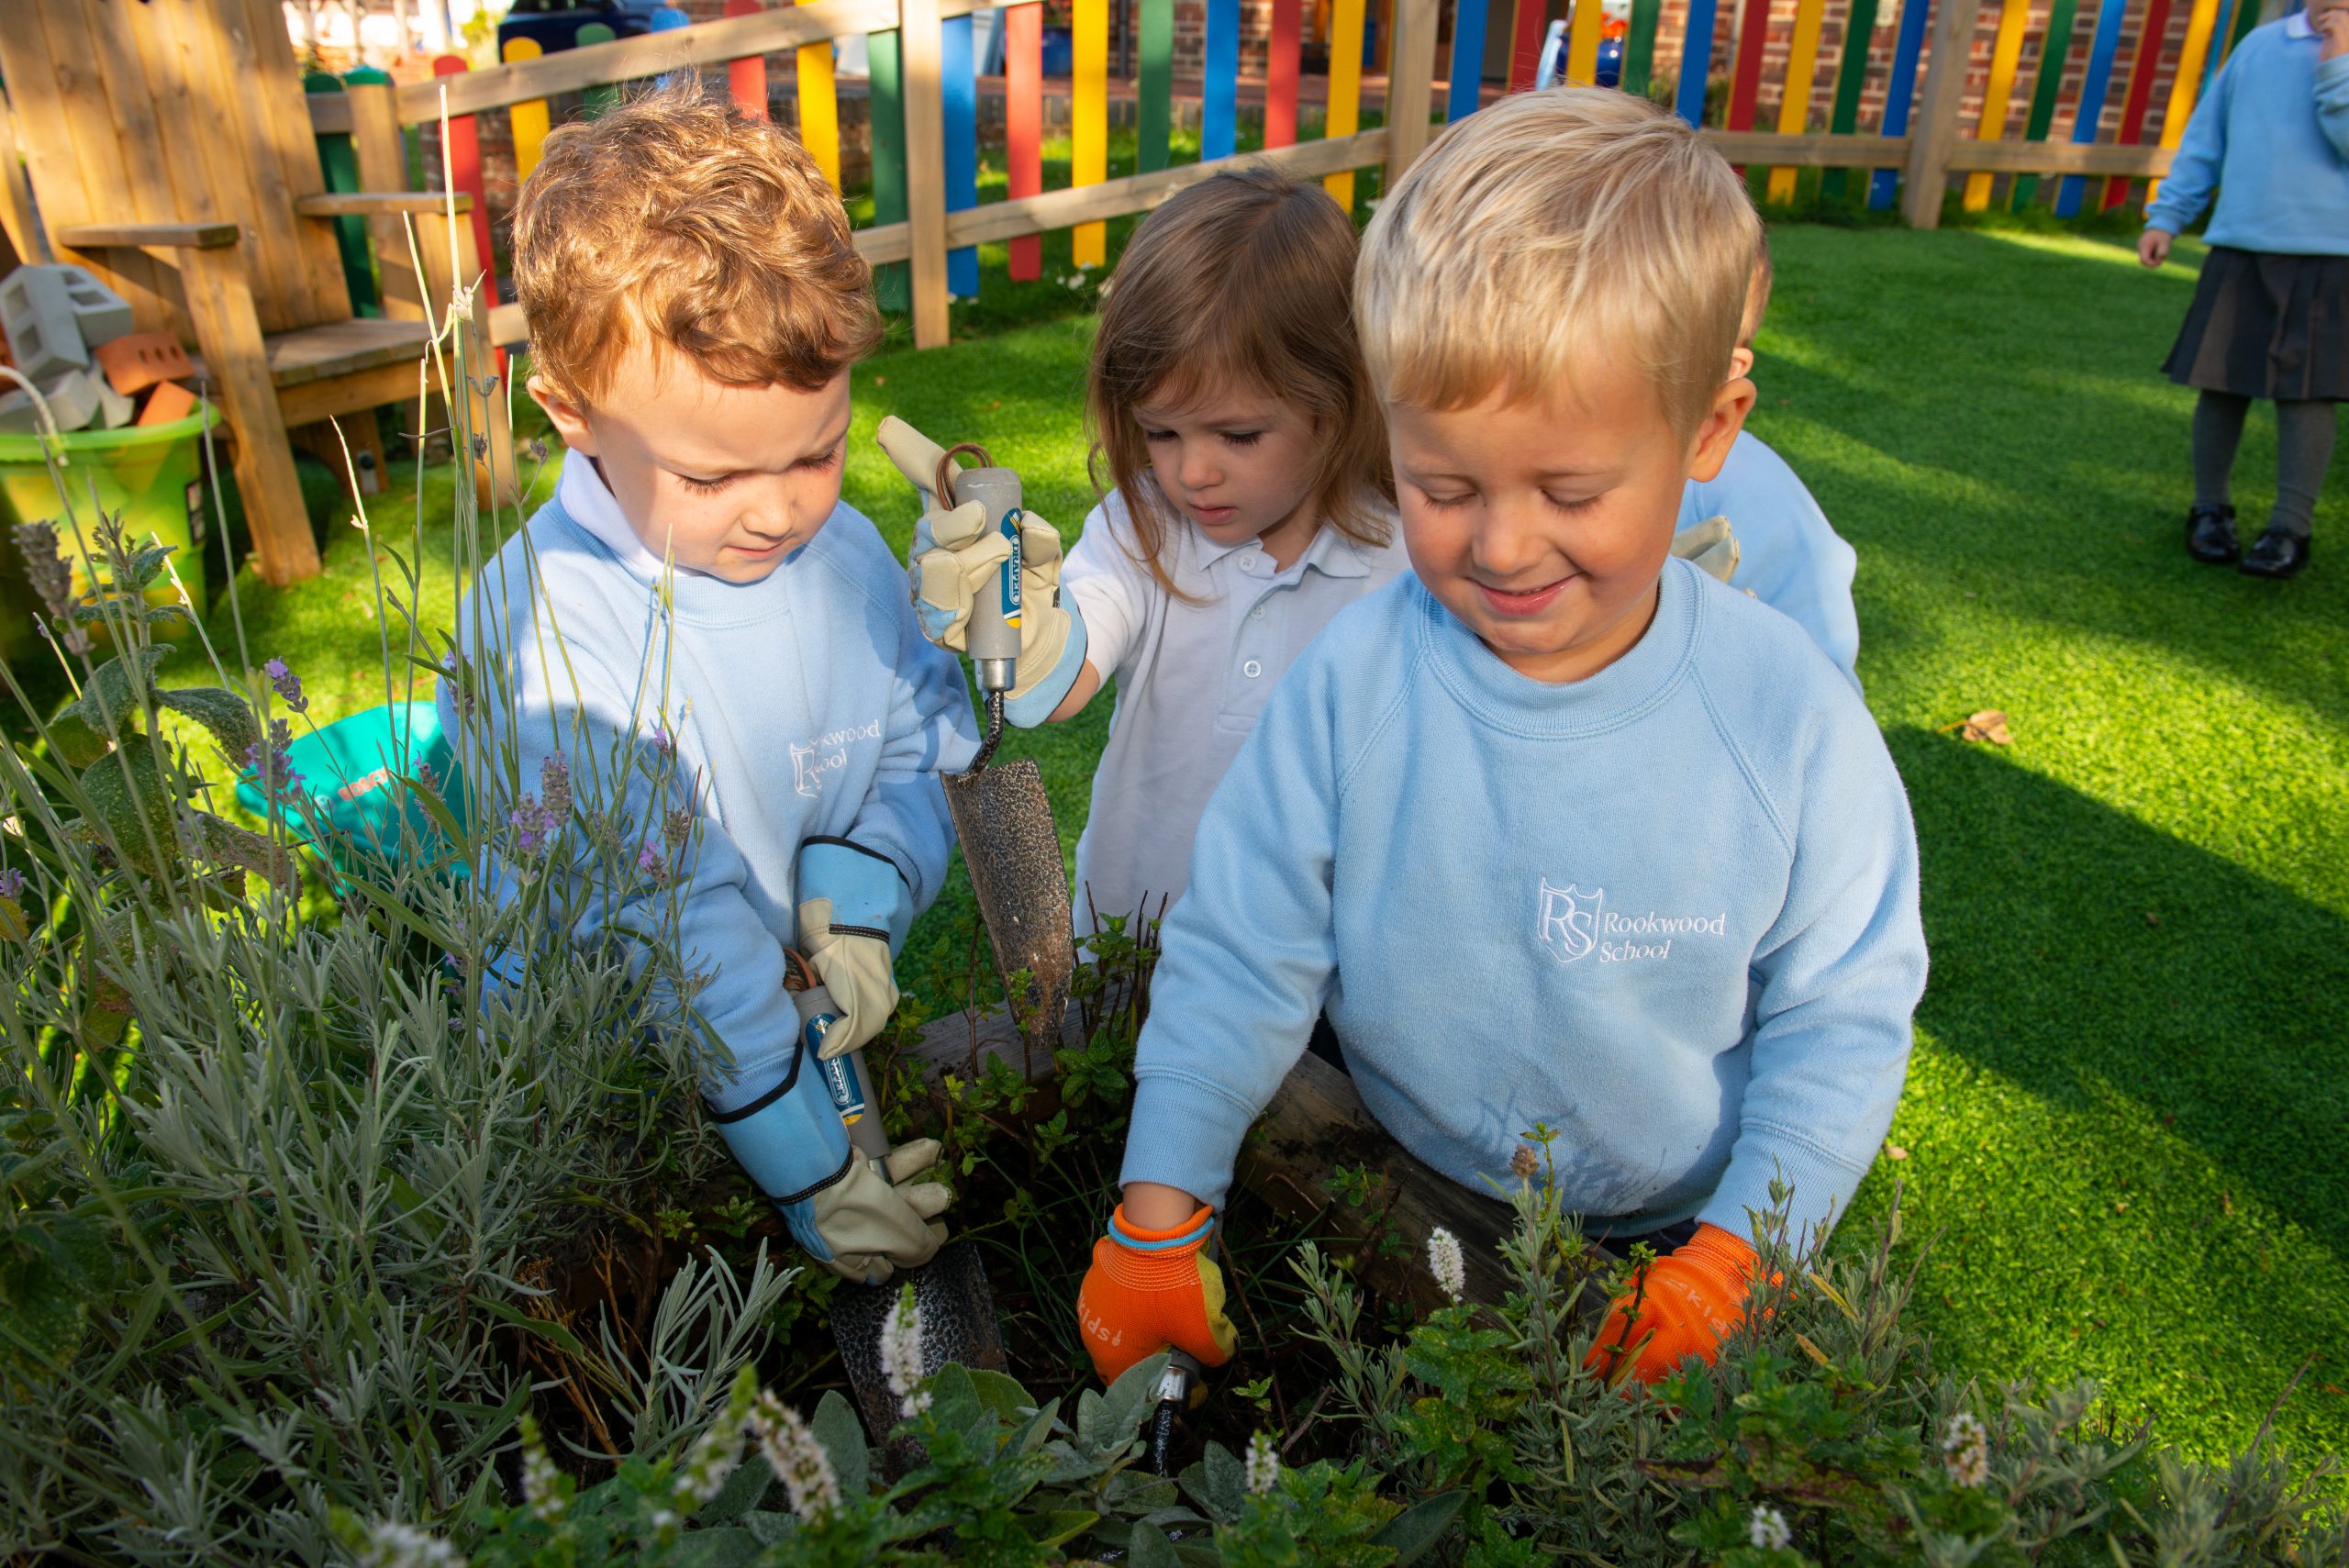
(1174, 1385)
(992, 634)
(854, 1094)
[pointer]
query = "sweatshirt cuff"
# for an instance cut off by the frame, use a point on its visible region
(2332, 72)
(1034, 706)
(867, 890)
(1183, 1134)
(1822, 1187)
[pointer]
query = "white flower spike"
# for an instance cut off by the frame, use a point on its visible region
(1445, 1263)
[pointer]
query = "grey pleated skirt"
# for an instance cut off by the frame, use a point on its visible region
(2266, 326)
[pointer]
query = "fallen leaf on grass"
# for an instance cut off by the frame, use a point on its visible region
(2152, 920)
(1990, 725)
(1894, 1151)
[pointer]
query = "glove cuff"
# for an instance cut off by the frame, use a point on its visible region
(1726, 1261)
(868, 891)
(1026, 710)
(1156, 1260)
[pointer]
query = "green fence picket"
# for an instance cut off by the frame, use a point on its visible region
(2055, 49)
(1639, 49)
(893, 284)
(1154, 93)
(1851, 75)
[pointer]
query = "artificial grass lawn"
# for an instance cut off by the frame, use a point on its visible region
(2125, 1117)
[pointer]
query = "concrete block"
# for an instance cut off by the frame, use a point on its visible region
(37, 312)
(115, 409)
(98, 311)
(134, 364)
(72, 402)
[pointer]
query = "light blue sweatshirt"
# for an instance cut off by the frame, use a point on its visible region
(1789, 556)
(2275, 128)
(811, 718)
(1669, 910)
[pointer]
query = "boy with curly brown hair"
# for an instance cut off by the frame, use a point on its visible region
(696, 587)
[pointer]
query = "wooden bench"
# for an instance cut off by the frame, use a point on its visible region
(171, 151)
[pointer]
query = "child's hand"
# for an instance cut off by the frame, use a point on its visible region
(2153, 246)
(877, 1218)
(1678, 1306)
(2331, 25)
(856, 968)
(1711, 545)
(1150, 1289)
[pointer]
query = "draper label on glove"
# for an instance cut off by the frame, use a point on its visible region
(1010, 577)
(1573, 924)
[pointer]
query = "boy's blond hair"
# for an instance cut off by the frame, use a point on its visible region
(1549, 226)
(677, 218)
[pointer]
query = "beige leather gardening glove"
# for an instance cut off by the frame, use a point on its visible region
(1711, 545)
(955, 557)
(855, 967)
(878, 1219)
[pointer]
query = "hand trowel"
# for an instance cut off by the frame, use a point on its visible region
(1001, 813)
(957, 1306)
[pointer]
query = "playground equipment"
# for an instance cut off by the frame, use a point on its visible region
(171, 155)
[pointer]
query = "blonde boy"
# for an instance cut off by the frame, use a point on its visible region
(696, 592)
(1558, 829)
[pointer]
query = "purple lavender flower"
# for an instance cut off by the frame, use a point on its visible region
(288, 684)
(663, 743)
(532, 829)
(267, 762)
(651, 863)
(554, 777)
(11, 884)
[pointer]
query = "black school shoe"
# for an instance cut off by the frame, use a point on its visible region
(2275, 554)
(2210, 535)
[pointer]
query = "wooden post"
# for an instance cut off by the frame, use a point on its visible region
(1410, 79)
(220, 299)
(920, 39)
(377, 140)
(1935, 133)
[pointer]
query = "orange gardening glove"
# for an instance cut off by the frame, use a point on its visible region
(1686, 1300)
(1150, 1289)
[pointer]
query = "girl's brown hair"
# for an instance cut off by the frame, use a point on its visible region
(1247, 277)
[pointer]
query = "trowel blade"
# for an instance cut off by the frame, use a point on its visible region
(1005, 821)
(958, 1324)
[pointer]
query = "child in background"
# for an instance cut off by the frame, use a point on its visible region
(1557, 829)
(2270, 317)
(697, 591)
(1789, 556)
(1250, 503)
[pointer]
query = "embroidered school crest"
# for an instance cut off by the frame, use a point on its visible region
(1569, 921)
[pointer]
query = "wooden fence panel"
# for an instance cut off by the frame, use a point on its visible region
(2056, 50)
(1345, 89)
(1089, 120)
(1023, 124)
(746, 79)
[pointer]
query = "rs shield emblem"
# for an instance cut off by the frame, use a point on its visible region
(1569, 921)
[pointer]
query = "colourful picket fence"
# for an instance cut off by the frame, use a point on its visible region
(923, 89)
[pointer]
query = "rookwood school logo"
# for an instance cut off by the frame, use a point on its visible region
(1570, 920)
(1574, 923)
(825, 753)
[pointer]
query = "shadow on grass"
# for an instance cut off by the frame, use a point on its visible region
(2127, 1105)
(2024, 447)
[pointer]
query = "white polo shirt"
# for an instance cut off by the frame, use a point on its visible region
(1191, 680)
